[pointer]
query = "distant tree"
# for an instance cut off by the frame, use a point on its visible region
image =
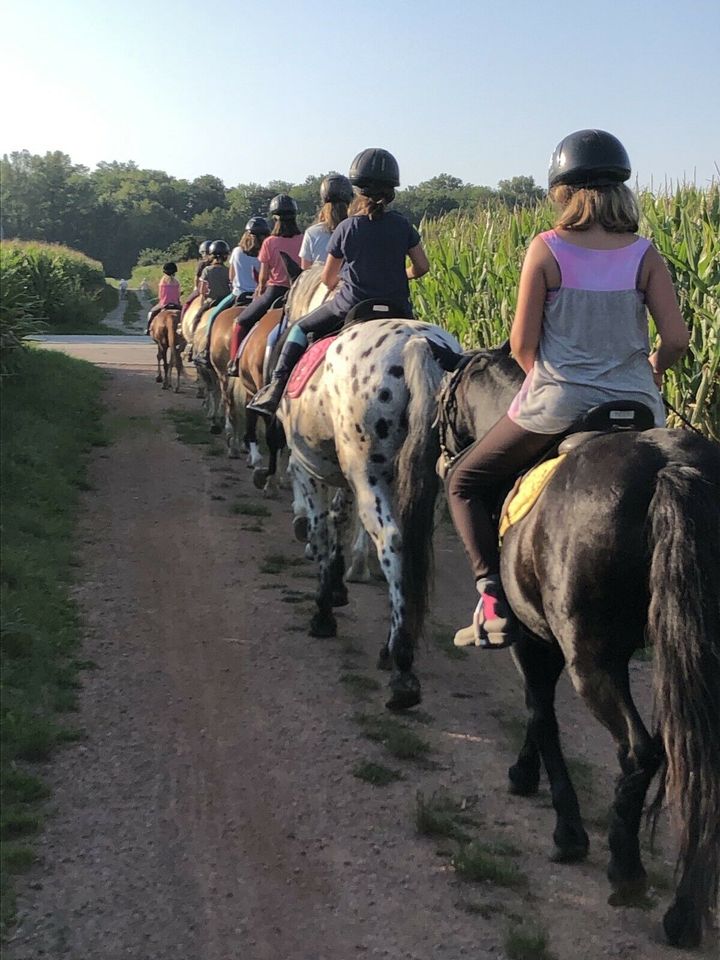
(520, 191)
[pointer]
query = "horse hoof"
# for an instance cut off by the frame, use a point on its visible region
(630, 893)
(405, 692)
(215, 429)
(384, 660)
(569, 853)
(301, 528)
(158, 379)
(260, 478)
(681, 925)
(339, 597)
(323, 626)
(522, 783)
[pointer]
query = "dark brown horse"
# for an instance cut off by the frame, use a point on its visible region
(165, 331)
(622, 548)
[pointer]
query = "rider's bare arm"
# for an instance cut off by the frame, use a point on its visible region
(661, 300)
(525, 332)
(419, 265)
(262, 279)
(306, 264)
(331, 271)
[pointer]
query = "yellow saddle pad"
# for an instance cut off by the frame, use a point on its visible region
(526, 491)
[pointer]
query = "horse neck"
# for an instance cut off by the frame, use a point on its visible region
(307, 293)
(487, 394)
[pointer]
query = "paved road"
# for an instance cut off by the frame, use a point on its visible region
(110, 351)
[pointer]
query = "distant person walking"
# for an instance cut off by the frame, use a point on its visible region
(122, 286)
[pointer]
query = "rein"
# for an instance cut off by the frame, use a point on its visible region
(680, 416)
(448, 411)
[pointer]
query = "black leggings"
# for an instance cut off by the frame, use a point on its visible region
(259, 307)
(476, 480)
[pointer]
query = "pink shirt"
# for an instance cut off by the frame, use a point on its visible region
(168, 292)
(270, 254)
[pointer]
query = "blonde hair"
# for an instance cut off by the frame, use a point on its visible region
(613, 207)
(332, 213)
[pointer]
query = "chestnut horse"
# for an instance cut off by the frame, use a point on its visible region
(165, 331)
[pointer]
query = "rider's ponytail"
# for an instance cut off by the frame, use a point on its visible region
(372, 201)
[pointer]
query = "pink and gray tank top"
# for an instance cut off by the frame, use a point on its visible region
(594, 340)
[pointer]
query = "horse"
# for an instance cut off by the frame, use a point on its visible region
(189, 322)
(210, 388)
(165, 331)
(622, 548)
(237, 391)
(363, 426)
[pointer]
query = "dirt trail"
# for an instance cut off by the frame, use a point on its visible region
(212, 812)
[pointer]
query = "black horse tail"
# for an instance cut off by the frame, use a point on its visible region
(416, 480)
(684, 628)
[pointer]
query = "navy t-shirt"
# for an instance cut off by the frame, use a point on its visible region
(374, 252)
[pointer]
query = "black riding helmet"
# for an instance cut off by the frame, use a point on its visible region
(336, 189)
(218, 248)
(204, 248)
(283, 206)
(374, 167)
(258, 226)
(589, 158)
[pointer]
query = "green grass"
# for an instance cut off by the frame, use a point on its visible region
(443, 640)
(526, 941)
(47, 434)
(478, 862)
(375, 773)
(439, 816)
(250, 510)
(275, 563)
(191, 425)
(398, 740)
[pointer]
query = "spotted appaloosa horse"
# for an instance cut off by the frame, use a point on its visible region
(622, 547)
(165, 331)
(364, 426)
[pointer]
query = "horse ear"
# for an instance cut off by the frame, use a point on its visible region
(293, 268)
(504, 348)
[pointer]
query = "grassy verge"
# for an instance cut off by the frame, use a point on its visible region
(50, 420)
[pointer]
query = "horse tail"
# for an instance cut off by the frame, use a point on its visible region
(173, 345)
(684, 628)
(416, 481)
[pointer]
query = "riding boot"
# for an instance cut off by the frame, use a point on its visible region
(494, 624)
(235, 340)
(267, 399)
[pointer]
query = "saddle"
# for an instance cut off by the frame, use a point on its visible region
(617, 416)
(373, 310)
(307, 365)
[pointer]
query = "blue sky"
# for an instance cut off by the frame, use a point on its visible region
(281, 90)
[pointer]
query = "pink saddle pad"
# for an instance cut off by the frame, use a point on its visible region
(307, 365)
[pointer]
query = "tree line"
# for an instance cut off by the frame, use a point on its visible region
(122, 214)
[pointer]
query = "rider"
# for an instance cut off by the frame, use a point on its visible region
(203, 261)
(370, 247)
(244, 271)
(580, 334)
(273, 281)
(215, 278)
(168, 293)
(336, 192)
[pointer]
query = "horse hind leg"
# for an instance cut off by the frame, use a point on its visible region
(606, 691)
(540, 665)
(159, 377)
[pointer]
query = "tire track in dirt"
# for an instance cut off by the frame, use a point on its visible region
(212, 812)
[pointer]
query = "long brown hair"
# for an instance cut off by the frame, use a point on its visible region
(285, 227)
(332, 213)
(250, 243)
(613, 207)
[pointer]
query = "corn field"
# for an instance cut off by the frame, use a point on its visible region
(475, 268)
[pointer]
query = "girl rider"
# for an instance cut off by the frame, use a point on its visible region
(273, 282)
(203, 261)
(168, 293)
(336, 192)
(580, 334)
(370, 248)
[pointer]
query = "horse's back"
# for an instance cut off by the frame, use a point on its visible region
(584, 546)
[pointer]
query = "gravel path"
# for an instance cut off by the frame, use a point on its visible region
(212, 812)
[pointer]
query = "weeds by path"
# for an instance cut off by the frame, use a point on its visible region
(51, 418)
